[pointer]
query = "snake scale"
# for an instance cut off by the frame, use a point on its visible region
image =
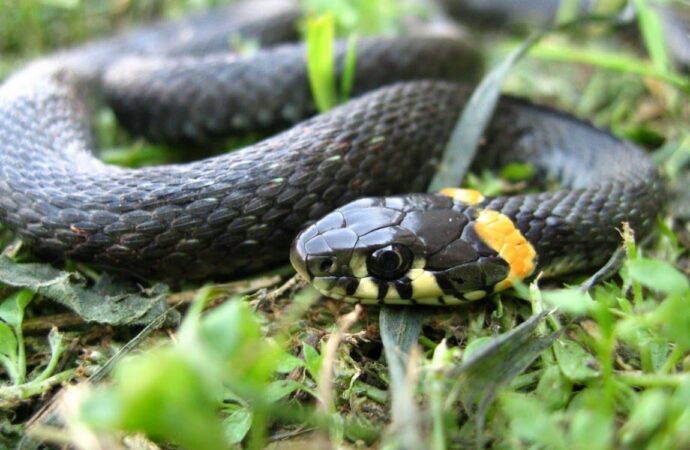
(238, 212)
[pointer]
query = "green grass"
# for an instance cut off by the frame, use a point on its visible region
(265, 360)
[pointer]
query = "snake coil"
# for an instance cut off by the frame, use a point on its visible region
(238, 212)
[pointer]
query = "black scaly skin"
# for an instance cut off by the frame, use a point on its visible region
(238, 212)
(194, 100)
(607, 182)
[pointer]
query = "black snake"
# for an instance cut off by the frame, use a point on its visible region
(239, 212)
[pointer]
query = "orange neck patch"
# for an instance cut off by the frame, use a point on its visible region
(467, 196)
(499, 232)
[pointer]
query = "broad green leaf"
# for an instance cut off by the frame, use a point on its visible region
(554, 389)
(12, 308)
(8, 342)
(9, 312)
(113, 301)
(312, 360)
(237, 425)
(476, 345)
(658, 275)
(282, 388)
(287, 363)
(531, 421)
(649, 413)
(24, 297)
(591, 425)
(230, 329)
(575, 363)
(164, 396)
(673, 315)
(571, 301)
(517, 172)
(496, 363)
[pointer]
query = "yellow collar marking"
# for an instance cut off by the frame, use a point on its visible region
(500, 233)
(468, 196)
(424, 284)
(367, 289)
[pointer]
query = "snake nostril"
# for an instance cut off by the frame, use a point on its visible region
(327, 264)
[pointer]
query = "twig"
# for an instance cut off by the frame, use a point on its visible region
(325, 381)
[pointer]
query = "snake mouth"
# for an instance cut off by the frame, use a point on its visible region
(298, 258)
(371, 291)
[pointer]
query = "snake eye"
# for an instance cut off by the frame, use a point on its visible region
(390, 263)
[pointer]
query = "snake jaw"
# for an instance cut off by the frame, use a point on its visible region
(298, 258)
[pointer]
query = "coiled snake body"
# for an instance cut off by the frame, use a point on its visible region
(239, 212)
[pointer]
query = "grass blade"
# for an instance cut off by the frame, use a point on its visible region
(321, 61)
(349, 66)
(469, 129)
(608, 60)
(400, 330)
(652, 34)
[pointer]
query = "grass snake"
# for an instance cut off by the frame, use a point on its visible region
(240, 211)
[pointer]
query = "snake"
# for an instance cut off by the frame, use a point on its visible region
(339, 192)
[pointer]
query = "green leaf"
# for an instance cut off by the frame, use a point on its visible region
(658, 275)
(476, 345)
(530, 421)
(24, 297)
(400, 329)
(312, 360)
(282, 388)
(572, 301)
(321, 61)
(229, 330)
(237, 425)
(649, 413)
(164, 396)
(287, 363)
(8, 342)
(8, 311)
(496, 363)
(12, 308)
(591, 425)
(554, 389)
(517, 172)
(112, 300)
(673, 315)
(575, 363)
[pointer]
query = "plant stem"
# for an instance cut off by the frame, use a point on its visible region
(9, 395)
(21, 355)
(676, 355)
(639, 379)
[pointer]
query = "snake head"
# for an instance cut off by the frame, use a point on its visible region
(416, 248)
